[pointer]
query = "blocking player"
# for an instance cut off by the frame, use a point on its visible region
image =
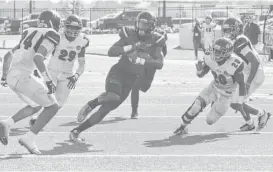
(208, 33)
(62, 63)
(34, 46)
(144, 82)
(227, 70)
(254, 72)
(140, 48)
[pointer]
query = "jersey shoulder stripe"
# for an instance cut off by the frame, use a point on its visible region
(53, 37)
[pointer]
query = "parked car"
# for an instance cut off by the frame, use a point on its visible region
(117, 20)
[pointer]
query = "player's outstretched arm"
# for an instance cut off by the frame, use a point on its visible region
(202, 69)
(51, 39)
(119, 48)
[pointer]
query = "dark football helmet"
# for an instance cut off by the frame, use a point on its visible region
(232, 27)
(222, 49)
(73, 26)
(49, 19)
(145, 23)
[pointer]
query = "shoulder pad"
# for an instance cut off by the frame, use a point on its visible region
(161, 32)
(125, 32)
(240, 43)
(53, 37)
(159, 39)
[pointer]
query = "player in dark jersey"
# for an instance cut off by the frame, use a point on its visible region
(140, 48)
(233, 29)
(18, 67)
(144, 82)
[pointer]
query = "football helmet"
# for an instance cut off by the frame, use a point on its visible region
(232, 27)
(222, 49)
(145, 23)
(72, 26)
(49, 19)
(208, 19)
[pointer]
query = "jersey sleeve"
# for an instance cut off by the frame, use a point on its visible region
(86, 44)
(234, 65)
(159, 40)
(53, 37)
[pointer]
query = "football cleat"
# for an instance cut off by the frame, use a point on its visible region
(262, 120)
(247, 127)
(74, 136)
(4, 132)
(181, 130)
(31, 147)
(86, 109)
(134, 115)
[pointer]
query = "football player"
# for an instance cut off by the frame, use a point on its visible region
(208, 33)
(144, 82)
(227, 70)
(62, 63)
(140, 48)
(18, 67)
(254, 72)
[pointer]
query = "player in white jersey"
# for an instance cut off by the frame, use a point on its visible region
(18, 67)
(208, 29)
(254, 72)
(227, 71)
(61, 66)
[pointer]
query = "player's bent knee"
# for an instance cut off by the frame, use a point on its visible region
(54, 107)
(197, 107)
(109, 98)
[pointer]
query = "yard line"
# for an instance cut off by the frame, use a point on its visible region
(140, 156)
(111, 116)
(261, 95)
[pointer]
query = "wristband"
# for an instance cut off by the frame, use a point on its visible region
(127, 48)
(140, 61)
(46, 76)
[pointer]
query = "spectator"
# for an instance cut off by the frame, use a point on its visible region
(197, 38)
(252, 31)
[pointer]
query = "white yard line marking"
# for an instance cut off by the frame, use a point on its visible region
(141, 156)
(111, 116)
(154, 132)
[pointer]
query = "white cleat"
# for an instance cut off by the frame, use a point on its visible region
(85, 110)
(30, 146)
(74, 136)
(262, 120)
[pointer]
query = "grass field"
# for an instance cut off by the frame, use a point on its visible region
(119, 143)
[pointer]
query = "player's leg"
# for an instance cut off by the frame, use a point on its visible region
(37, 92)
(113, 88)
(263, 116)
(204, 98)
(218, 109)
(135, 98)
(122, 90)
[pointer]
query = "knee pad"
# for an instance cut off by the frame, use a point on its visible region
(109, 97)
(197, 107)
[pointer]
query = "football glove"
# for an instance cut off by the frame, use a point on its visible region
(51, 87)
(199, 65)
(72, 81)
(4, 82)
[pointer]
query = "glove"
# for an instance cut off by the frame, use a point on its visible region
(135, 59)
(72, 81)
(51, 87)
(4, 82)
(199, 65)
